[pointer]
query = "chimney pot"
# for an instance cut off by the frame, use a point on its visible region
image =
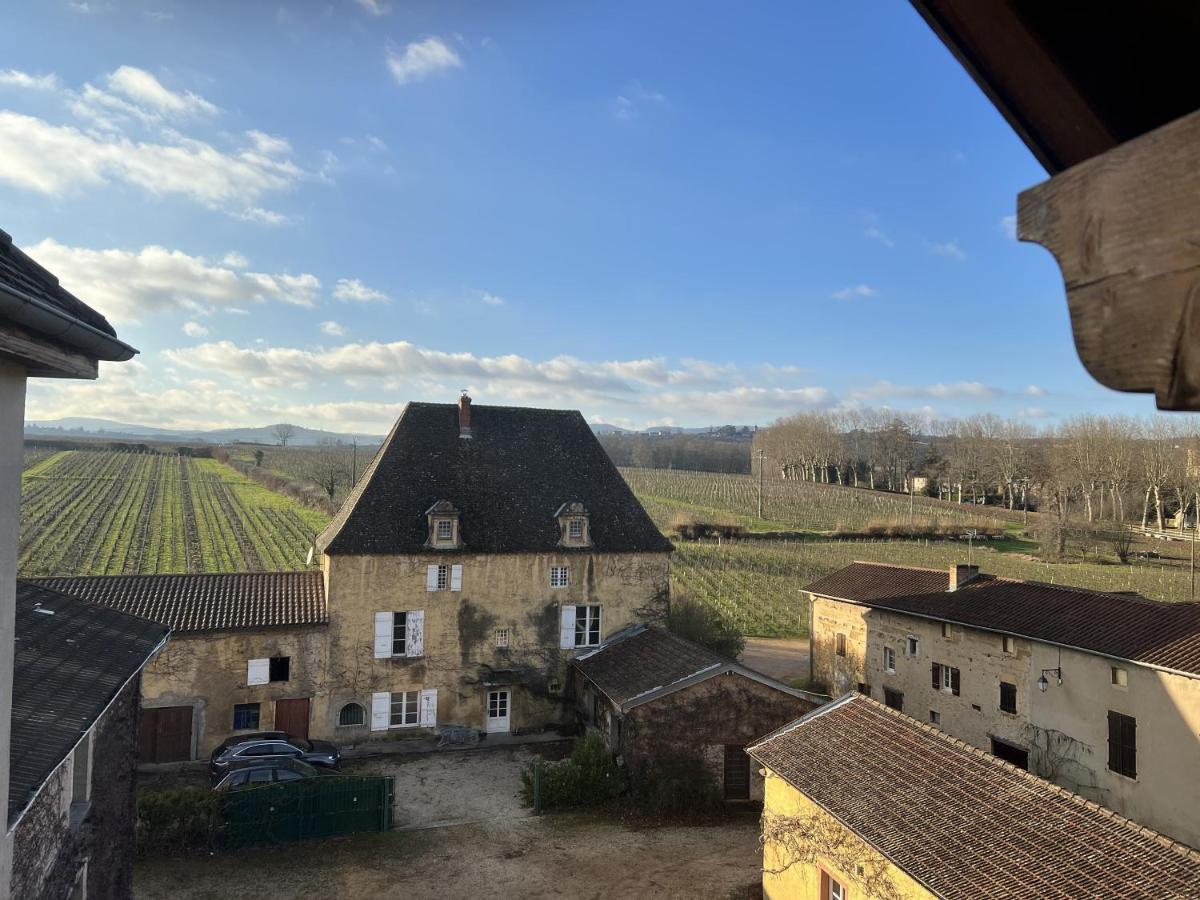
(960, 575)
(464, 415)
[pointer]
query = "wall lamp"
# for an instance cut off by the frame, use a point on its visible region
(1042, 683)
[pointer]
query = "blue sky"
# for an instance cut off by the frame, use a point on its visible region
(656, 213)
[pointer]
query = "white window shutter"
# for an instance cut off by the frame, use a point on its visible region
(429, 708)
(414, 644)
(566, 632)
(456, 578)
(381, 711)
(431, 578)
(383, 635)
(258, 671)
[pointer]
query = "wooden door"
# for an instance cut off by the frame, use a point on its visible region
(497, 711)
(737, 773)
(292, 716)
(165, 734)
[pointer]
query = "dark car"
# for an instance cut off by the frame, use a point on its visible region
(317, 753)
(248, 774)
(248, 736)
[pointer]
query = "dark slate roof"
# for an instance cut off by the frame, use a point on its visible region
(22, 274)
(642, 660)
(67, 669)
(962, 822)
(507, 481)
(1122, 626)
(210, 602)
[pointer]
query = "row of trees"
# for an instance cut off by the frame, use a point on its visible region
(1109, 468)
(728, 453)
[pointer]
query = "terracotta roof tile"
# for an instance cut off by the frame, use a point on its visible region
(962, 822)
(206, 602)
(1124, 626)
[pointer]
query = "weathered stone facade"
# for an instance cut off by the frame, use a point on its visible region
(61, 833)
(511, 592)
(1064, 730)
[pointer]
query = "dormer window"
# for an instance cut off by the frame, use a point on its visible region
(443, 526)
(573, 522)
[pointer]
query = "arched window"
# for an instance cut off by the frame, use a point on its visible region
(352, 714)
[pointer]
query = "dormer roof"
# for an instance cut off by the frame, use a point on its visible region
(509, 484)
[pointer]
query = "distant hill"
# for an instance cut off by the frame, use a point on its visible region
(84, 427)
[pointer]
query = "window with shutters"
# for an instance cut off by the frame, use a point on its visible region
(1122, 744)
(399, 633)
(280, 668)
(352, 714)
(946, 679)
(894, 699)
(587, 626)
(889, 660)
(558, 576)
(1008, 697)
(831, 888)
(840, 645)
(443, 578)
(405, 708)
(245, 716)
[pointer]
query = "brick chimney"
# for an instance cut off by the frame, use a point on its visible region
(464, 416)
(960, 575)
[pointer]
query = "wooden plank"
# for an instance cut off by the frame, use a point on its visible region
(1125, 230)
(44, 358)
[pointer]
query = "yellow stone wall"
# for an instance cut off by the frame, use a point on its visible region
(1065, 729)
(792, 867)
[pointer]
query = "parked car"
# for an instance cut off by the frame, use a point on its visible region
(249, 736)
(317, 753)
(256, 773)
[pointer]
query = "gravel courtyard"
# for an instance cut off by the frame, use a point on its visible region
(563, 856)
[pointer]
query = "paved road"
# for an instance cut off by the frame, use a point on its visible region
(782, 659)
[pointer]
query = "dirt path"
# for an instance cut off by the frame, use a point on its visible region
(554, 856)
(782, 659)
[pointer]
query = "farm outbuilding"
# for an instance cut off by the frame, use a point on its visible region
(656, 697)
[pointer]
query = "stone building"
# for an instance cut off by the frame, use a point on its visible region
(76, 687)
(1097, 692)
(481, 550)
(655, 696)
(863, 801)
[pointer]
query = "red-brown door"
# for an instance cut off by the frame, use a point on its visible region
(292, 716)
(165, 734)
(737, 773)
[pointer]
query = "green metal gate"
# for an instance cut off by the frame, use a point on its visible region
(312, 808)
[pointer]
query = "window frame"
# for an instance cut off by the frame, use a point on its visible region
(246, 708)
(1008, 644)
(1011, 709)
(839, 644)
(362, 715)
(400, 623)
(500, 637)
(947, 679)
(912, 647)
(1122, 752)
(560, 576)
(889, 660)
(443, 531)
(588, 624)
(406, 698)
(888, 694)
(274, 663)
(1118, 677)
(935, 717)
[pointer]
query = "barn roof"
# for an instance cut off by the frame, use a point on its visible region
(507, 481)
(71, 660)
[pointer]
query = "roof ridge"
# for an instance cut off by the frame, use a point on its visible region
(888, 565)
(40, 578)
(1025, 774)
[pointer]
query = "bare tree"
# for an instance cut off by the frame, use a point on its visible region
(283, 433)
(326, 467)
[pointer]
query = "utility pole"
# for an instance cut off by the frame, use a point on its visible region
(911, 491)
(1025, 502)
(760, 478)
(354, 463)
(971, 535)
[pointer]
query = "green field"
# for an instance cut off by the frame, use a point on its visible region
(111, 513)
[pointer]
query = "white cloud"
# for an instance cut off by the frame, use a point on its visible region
(858, 290)
(943, 391)
(263, 216)
(1035, 390)
(1034, 412)
(949, 248)
(54, 159)
(492, 299)
(630, 103)
(143, 89)
(269, 144)
(876, 233)
(375, 7)
(420, 59)
(128, 285)
(351, 290)
(1009, 226)
(333, 329)
(194, 329)
(235, 260)
(17, 78)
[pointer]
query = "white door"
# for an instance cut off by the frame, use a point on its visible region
(497, 711)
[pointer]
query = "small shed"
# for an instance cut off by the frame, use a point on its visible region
(653, 695)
